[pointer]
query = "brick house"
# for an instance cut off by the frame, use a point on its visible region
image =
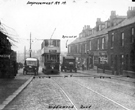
(92, 44)
(110, 46)
(121, 46)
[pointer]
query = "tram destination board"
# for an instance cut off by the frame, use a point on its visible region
(52, 51)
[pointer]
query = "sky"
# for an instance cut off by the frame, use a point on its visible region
(20, 19)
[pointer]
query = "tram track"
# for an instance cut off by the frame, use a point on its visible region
(66, 94)
(51, 77)
(90, 89)
(99, 94)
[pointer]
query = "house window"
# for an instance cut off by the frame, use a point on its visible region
(103, 43)
(112, 40)
(106, 42)
(90, 45)
(69, 51)
(133, 31)
(80, 47)
(74, 48)
(122, 56)
(77, 48)
(85, 48)
(132, 37)
(122, 39)
(98, 44)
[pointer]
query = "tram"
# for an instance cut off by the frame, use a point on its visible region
(50, 58)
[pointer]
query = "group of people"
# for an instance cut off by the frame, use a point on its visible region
(81, 67)
(84, 67)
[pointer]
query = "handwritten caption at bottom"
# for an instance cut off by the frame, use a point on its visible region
(72, 106)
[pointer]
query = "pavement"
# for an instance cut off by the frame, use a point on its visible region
(10, 88)
(94, 73)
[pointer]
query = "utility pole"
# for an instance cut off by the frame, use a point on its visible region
(24, 53)
(30, 45)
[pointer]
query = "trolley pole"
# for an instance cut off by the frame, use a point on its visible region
(30, 45)
(52, 33)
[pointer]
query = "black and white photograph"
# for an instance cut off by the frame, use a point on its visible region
(67, 54)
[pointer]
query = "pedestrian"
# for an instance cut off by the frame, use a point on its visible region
(82, 67)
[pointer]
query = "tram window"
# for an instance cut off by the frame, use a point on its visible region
(46, 43)
(54, 42)
(58, 43)
(31, 63)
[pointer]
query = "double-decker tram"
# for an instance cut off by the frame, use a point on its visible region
(50, 50)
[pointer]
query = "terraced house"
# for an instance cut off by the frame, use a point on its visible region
(109, 46)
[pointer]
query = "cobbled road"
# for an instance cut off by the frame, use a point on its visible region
(86, 93)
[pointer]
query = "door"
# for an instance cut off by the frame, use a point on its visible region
(116, 64)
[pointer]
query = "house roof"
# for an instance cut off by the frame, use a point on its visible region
(93, 35)
(105, 31)
(124, 23)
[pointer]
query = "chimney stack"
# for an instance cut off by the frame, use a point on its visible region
(113, 14)
(98, 19)
(131, 12)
